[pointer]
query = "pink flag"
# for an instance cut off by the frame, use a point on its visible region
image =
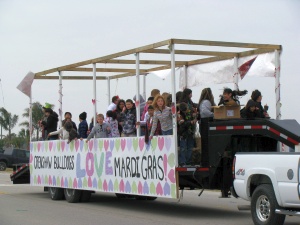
(244, 68)
(25, 85)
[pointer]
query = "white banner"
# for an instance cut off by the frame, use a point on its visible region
(118, 165)
(222, 72)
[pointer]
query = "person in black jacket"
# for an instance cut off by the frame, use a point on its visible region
(83, 126)
(251, 110)
(186, 129)
(257, 97)
(51, 123)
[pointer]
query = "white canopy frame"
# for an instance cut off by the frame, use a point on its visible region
(122, 65)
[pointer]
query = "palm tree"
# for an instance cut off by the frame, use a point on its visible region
(23, 134)
(37, 115)
(7, 121)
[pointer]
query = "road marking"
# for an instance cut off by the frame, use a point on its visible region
(14, 185)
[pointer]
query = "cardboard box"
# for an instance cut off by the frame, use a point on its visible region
(227, 112)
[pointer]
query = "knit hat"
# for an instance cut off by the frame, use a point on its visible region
(47, 105)
(82, 116)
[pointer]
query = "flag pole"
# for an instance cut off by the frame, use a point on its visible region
(236, 73)
(30, 116)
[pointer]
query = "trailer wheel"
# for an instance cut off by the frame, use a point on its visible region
(263, 206)
(56, 193)
(85, 196)
(2, 166)
(72, 195)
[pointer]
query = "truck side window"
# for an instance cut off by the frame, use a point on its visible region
(8, 151)
(21, 154)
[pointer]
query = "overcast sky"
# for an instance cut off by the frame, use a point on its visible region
(39, 35)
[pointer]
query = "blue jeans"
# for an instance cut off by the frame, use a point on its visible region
(186, 148)
(167, 132)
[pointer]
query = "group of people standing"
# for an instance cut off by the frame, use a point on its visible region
(155, 118)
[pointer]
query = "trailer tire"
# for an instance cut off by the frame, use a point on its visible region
(3, 166)
(263, 206)
(85, 196)
(56, 193)
(72, 195)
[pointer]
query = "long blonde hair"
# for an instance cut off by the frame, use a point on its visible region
(155, 102)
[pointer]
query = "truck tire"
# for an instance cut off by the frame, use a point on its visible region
(72, 195)
(85, 196)
(263, 206)
(2, 166)
(56, 193)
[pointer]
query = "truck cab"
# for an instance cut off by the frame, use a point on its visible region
(11, 156)
(225, 138)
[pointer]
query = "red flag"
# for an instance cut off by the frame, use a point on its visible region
(244, 68)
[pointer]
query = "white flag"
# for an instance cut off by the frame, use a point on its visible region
(25, 85)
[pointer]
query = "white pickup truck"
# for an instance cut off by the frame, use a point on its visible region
(271, 181)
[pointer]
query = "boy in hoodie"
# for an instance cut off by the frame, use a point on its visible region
(83, 126)
(128, 119)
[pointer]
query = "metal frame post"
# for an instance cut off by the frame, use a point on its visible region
(144, 87)
(137, 97)
(94, 92)
(185, 77)
(277, 85)
(173, 82)
(108, 90)
(60, 98)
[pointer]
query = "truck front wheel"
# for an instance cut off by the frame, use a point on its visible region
(72, 195)
(3, 166)
(56, 193)
(263, 206)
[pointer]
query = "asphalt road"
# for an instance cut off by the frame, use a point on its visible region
(26, 205)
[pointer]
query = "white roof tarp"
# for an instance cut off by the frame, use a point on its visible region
(222, 72)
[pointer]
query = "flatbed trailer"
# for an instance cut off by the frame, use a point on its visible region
(225, 139)
(129, 166)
